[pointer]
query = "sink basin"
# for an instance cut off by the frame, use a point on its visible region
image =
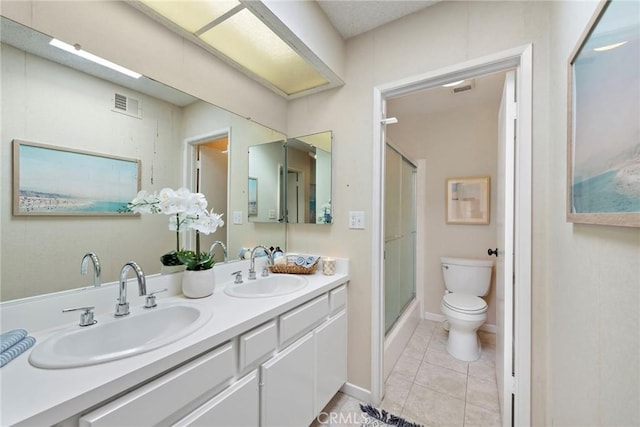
(117, 338)
(271, 286)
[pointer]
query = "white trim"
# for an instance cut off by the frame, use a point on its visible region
(188, 160)
(356, 392)
(523, 239)
(520, 58)
(434, 317)
(377, 251)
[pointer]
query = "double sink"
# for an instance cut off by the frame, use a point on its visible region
(118, 338)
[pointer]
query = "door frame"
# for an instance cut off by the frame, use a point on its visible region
(188, 166)
(520, 58)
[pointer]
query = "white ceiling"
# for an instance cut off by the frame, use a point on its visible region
(486, 89)
(353, 17)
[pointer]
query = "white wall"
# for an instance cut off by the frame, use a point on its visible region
(593, 279)
(438, 36)
(454, 143)
(143, 45)
(585, 294)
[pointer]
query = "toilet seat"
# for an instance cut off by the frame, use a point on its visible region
(464, 303)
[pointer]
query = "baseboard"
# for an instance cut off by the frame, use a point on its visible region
(434, 317)
(356, 392)
(493, 329)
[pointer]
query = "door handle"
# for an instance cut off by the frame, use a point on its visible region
(493, 252)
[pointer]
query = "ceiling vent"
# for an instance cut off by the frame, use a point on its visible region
(464, 87)
(127, 105)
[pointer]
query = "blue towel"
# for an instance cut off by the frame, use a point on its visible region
(16, 350)
(306, 261)
(11, 338)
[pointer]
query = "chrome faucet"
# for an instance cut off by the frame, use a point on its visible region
(96, 267)
(122, 308)
(224, 249)
(252, 267)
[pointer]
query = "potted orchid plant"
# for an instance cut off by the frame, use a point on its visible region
(187, 211)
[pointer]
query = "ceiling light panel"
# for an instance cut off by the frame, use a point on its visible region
(233, 32)
(249, 42)
(191, 15)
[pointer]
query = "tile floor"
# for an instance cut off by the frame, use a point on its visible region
(428, 386)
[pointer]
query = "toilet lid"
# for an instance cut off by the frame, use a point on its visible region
(464, 303)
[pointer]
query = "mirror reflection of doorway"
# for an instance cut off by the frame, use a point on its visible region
(211, 158)
(295, 197)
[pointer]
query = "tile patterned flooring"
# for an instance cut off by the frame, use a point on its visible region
(428, 386)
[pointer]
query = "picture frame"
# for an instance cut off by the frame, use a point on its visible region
(468, 200)
(253, 196)
(603, 150)
(51, 180)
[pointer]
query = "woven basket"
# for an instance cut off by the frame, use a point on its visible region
(293, 269)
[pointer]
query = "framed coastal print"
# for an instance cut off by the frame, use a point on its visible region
(253, 196)
(51, 180)
(603, 143)
(468, 200)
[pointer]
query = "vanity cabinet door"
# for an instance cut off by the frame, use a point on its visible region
(331, 359)
(288, 386)
(237, 406)
(166, 397)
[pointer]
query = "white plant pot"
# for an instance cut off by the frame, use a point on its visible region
(198, 284)
(169, 269)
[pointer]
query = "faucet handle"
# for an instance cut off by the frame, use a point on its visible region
(86, 318)
(265, 271)
(238, 275)
(150, 300)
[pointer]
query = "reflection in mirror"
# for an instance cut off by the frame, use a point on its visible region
(308, 183)
(54, 97)
(265, 184)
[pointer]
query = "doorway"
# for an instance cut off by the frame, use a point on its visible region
(519, 59)
(207, 173)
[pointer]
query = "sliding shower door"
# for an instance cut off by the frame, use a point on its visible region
(400, 236)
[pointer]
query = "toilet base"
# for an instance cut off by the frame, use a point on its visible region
(464, 345)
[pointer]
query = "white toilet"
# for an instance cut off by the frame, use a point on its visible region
(466, 281)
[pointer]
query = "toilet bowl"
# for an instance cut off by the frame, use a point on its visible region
(466, 281)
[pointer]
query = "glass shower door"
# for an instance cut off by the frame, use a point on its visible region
(400, 236)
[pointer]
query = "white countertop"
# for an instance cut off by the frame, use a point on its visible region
(34, 396)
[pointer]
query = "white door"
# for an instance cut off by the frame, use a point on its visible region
(505, 244)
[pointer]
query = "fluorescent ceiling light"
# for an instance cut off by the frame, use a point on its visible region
(452, 84)
(608, 47)
(93, 58)
(234, 33)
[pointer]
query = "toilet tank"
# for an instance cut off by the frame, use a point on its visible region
(469, 276)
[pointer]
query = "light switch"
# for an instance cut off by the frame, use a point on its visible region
(237, 217)
(356, 220)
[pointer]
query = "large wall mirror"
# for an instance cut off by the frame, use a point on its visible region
(53, 97)
(290, 181)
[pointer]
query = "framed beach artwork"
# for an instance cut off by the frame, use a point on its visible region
(253, 196)
(603, 144)
(51, 180)
(468, 200)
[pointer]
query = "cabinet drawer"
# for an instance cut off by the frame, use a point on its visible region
(300, 320)
(338, 299)
(237, 406)
(164, 397)
(256, 345)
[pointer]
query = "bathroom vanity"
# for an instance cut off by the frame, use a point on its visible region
(269, 361)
